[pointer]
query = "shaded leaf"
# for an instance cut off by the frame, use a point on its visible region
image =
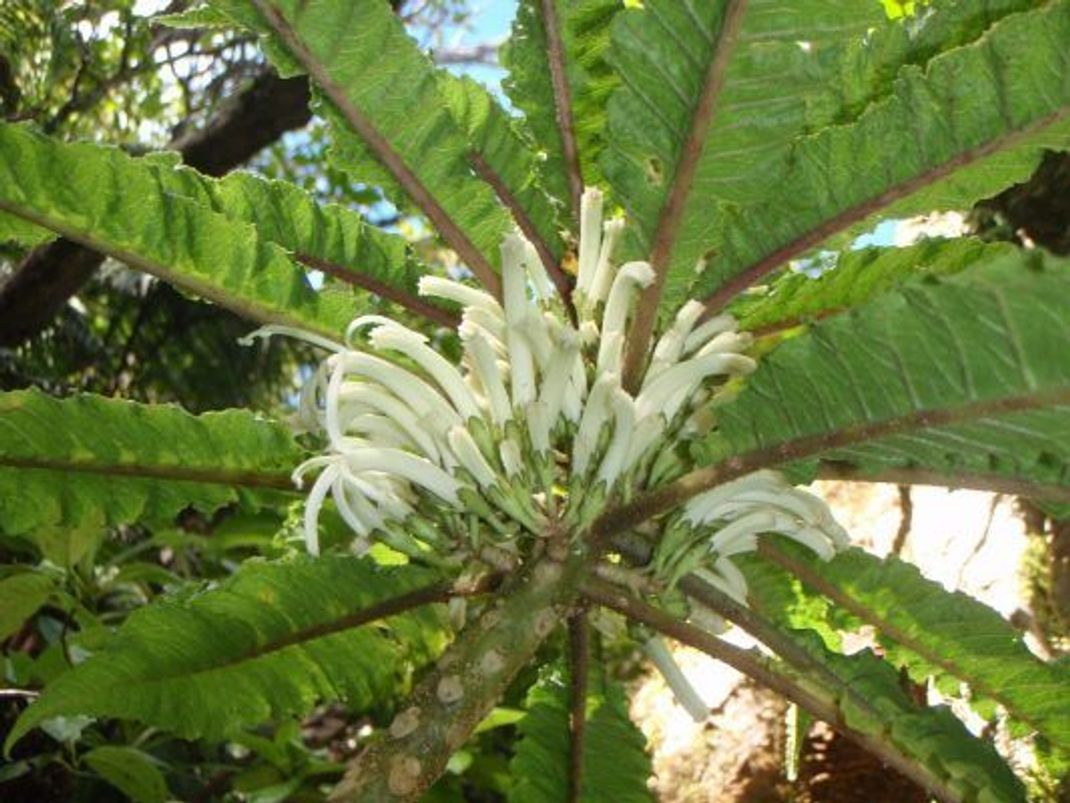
(80, 464)
(113, 203)
(131, 771)
(256, 647)
(963, 374)
(616, 766)
(21, 595)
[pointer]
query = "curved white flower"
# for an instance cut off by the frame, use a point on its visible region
(629, 278)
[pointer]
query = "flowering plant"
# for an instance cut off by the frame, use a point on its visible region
(593, 398)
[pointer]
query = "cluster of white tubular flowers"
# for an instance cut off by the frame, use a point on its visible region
(728, 520)
(533, 426)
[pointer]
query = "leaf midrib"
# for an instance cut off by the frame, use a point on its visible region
(867, 614)
(860, 212)
(205, 476)
(254, 312)
(663, 499)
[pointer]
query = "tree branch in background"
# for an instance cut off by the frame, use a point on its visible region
(44, 281)
(906, 519)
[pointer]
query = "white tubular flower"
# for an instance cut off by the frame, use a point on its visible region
(521, 367)
(556, 379)
(512, 457)
(699, 508)
(314, 503)
(417, 470)
(514, 291)
(727, 342)
(590, 236)
(364, 321)
(334, 389)
(464, 295)
(423, 398)
(647, 432)
(345, 499)
(313, 463)
(470, 458)
(743, 528)
(540, 339)
(603, 274)
(732, 582)
(385, 491)
(485, 366)
(669, 391)
(614, 462)
(630, 277)
(375, 398)
(491, 324)
(414, 346)
(681, 688)
(710, 329)
(671, 344)
(265, 332)
(539, 426)
(544, 288)
(379, 429)
(576, 391)
(595, 415)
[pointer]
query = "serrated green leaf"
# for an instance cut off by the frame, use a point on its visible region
(499, 150)
(858, 276)
(21, 595)
(358, 55)
(973, 119)
(200, 16)
(131, 771)
(80, 464)
(259, 646)
(325, 236)
(936, 633)
(584, 30)
(616, 766)
(959, 375)
(113, 203)
(765, 94)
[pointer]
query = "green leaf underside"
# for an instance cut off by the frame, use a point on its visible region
(857, 277)
(938, 634)
(965, 374)
(869, 694)
(584, 28)
(122, 207)
(970, 122)
(90, 462)
(798, 150)
(21, 596)
(500, 153)
(208, 662)
(326, 236)
(663, 52)
(616, 766)
(359, 52)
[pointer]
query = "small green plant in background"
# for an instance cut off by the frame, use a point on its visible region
(598, 395)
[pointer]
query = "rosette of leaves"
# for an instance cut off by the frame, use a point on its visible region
(728, 142)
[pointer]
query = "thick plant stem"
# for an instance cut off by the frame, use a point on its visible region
(465, 685)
